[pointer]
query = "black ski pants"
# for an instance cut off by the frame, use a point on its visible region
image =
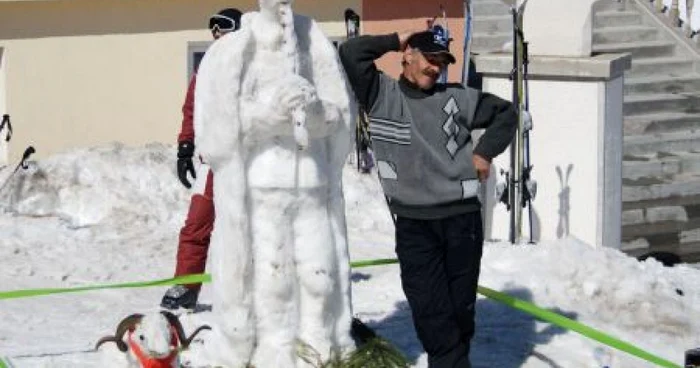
(440, 263)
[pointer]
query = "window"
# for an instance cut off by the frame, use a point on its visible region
(195, 53)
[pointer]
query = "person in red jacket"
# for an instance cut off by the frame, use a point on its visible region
(195, 234)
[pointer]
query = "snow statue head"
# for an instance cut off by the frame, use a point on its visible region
(276, 9)
(274, 119)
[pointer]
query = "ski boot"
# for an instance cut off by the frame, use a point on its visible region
(692, 358)
(360, 332)
(366, 161)
(179, 296)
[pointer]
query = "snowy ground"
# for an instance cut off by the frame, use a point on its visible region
(111, 214)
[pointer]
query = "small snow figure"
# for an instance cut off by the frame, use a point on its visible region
(150, 341)
(274, 118)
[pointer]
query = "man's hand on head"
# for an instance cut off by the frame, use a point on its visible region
(404, 36)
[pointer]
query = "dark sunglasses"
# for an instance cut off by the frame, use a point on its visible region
(221, 23)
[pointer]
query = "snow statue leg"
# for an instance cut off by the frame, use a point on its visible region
(275, 283)
(232, 269)
(342, 306)
(317, 272)
(274, 118)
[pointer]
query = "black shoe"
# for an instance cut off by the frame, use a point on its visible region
(360, 332)
(179, 296)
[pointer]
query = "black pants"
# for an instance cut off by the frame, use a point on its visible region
(440, 263)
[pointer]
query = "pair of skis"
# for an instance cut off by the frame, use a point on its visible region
(519, 189)
(365, 162)
(441, 30)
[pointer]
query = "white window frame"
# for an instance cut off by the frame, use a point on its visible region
(194, 48)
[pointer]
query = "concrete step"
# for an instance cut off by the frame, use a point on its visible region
(658, 189)
(491, 24)
(484, 8)
(661, 219)
(688, 252)
(661, 142)
(660, 165)
(635, 168)
(645, 103)
(634, 33)
(637, 49)
(673, 66)
(616, 18)
(661, 122)
(661, 83)
(490, 42)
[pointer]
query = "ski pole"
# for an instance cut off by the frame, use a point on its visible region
(22, 164)
(6, 121)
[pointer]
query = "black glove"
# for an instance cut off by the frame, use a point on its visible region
(185, 152)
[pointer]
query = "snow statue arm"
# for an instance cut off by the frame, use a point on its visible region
(216, 104)
(324, 117)
(335, 107)
(330, 109)
(335, 97)
(269, 110)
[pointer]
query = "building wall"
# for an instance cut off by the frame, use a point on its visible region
(85, 72)
(3, 133)
(411, 15)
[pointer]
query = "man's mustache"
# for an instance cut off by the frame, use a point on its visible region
(430, 73)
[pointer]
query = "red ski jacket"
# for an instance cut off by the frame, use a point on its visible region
(187, 129)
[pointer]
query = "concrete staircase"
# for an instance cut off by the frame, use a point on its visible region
(492, 26)
(661, 168)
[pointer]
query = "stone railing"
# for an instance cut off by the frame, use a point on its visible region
(680, 14)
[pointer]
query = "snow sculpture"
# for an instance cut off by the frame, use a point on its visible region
(274, 118)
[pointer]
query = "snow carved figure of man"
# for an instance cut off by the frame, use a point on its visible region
(274, 118)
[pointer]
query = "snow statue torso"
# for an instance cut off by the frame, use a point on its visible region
(274, 119)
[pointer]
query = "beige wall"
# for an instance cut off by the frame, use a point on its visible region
(86, 72)
(411, 16)
(3, 144)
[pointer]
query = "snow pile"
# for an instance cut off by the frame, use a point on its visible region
(100, 185)
(368, 217)
(135, 205)
(644, 303)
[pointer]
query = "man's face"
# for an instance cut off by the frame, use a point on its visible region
(422, 69)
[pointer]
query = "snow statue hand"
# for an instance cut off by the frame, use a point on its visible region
(295, 94)
(301, 135)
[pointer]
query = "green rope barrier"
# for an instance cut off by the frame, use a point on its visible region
(510, 301)
(27, 293)
(572, 325)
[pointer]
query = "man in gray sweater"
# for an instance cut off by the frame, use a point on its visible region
(431, 173)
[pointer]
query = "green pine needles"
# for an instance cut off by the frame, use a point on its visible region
(377, 352)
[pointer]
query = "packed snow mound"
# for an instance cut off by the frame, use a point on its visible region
(367, 214)
(99, 185)
(645, 303)
(92, 186)
(136, 204)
